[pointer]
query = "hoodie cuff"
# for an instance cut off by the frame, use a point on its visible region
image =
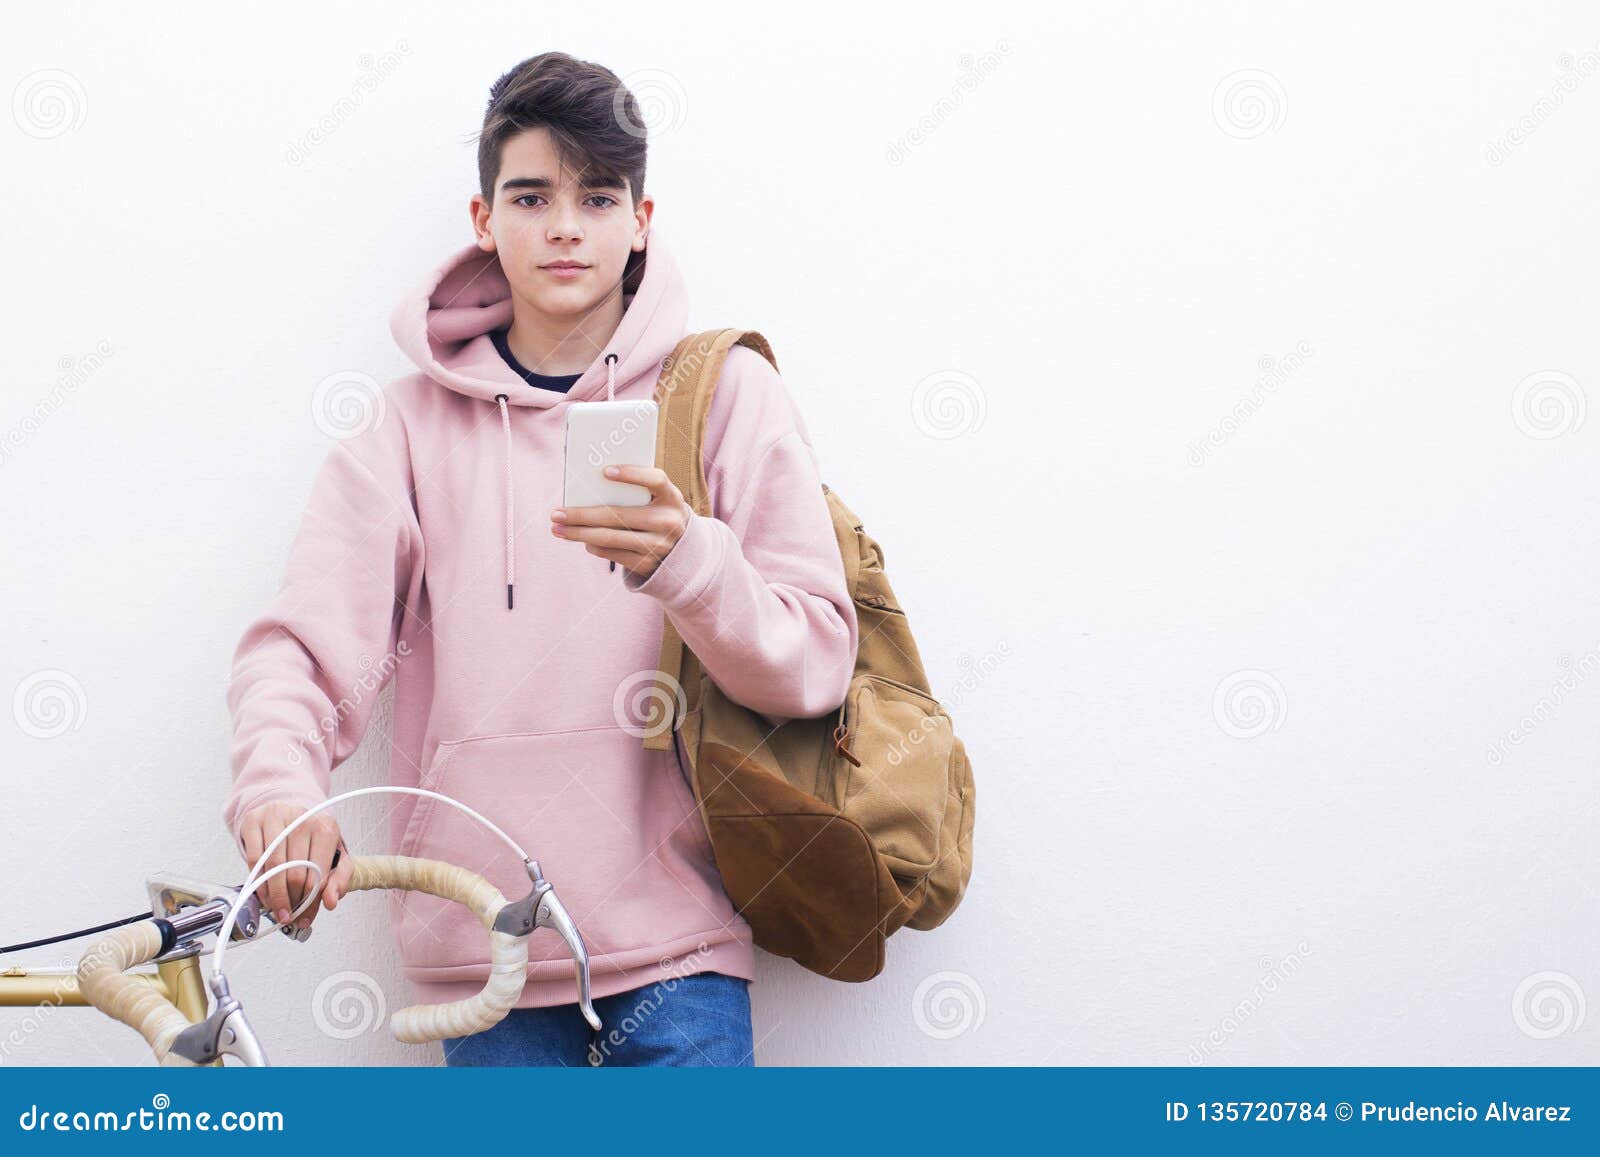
(688, 568)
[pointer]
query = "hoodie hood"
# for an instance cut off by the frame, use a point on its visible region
(443, 325)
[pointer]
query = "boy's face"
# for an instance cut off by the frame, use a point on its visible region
(543, 213)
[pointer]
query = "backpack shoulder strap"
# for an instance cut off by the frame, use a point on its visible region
(683, 394)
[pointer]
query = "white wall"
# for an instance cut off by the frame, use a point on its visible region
(1233, 705)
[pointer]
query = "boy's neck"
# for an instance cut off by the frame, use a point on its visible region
(562, 345)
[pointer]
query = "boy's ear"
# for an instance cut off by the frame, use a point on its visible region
(478, 210)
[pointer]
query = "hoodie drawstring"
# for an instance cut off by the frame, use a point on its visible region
(511, 552)
(611, 384)
(505, 426)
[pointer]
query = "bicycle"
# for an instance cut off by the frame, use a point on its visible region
(168, 1006)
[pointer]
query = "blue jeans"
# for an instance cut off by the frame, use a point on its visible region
(699, 1019)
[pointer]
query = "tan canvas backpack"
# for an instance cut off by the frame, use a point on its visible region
(833, 833)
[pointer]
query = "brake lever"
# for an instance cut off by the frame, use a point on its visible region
(542, 908)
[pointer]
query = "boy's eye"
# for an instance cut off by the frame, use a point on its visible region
(609, 201)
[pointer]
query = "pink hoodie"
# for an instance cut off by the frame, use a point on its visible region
(533, 713)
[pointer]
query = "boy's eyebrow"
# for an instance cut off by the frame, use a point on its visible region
(597, 181)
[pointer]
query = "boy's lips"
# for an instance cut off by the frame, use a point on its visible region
(564, 268)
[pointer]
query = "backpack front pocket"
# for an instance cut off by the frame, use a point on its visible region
(890, 769)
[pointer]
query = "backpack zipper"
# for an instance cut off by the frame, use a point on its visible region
(841, 732)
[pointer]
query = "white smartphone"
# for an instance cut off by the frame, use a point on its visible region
(601, 434)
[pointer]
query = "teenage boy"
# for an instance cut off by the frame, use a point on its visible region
(521, 656)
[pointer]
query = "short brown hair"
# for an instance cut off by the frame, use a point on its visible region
(593, 119)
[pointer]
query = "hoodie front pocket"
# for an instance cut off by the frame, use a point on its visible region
(611, 823)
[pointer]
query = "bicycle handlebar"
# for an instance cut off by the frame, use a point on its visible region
(103, 979)
(508, 954)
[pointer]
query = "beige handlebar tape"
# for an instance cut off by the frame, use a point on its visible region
(508, 954)
(142, 1006)
(103, 979)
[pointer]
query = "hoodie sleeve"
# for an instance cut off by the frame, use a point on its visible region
(308, 670)
(757, 589)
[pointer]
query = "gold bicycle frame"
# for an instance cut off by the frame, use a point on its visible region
(179, 980)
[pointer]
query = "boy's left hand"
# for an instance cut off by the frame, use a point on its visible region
(634, 537)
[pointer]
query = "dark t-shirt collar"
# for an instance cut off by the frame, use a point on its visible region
(561, 383)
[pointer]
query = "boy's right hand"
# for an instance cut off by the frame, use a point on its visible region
(314, 840)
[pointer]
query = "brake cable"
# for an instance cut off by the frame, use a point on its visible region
(134, 919)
